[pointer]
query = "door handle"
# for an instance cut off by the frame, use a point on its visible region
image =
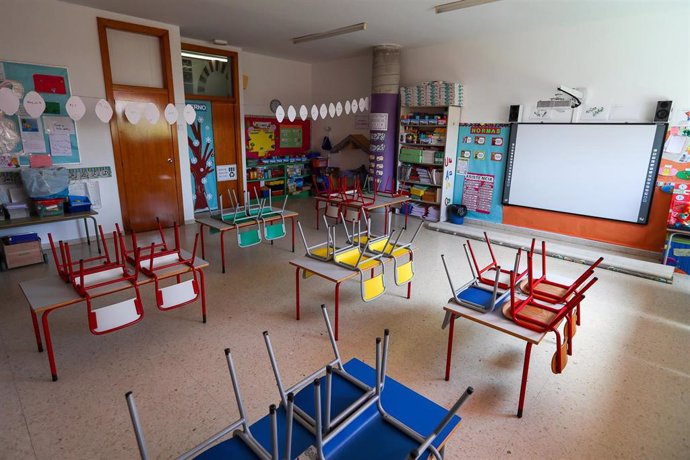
(170, 160)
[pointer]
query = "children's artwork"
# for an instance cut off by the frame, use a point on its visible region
(48, 92)
(476, 186)
(595, 113)
(265, 137)
(202, 157)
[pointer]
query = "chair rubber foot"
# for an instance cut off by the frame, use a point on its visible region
(204, 319)
(519, 414)
(54, 378)
(223, 269)
(40, 348)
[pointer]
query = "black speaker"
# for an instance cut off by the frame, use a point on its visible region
(514, 113)
(662, 112)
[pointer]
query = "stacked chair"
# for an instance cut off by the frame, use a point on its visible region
(252, 221)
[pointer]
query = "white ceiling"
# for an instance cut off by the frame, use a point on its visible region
(266, 26)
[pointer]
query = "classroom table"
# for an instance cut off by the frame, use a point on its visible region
(671, 233)
(382, 201)
(35, 220)
(494, 320)
(368, 437)
(48, 294)
(214, 223)
(331, 272)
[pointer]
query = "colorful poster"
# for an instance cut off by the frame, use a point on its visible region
(265, 137)
(202, 158)
(291, 137)
(481, 163)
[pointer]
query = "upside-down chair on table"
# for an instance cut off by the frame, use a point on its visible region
(486, 274)
(401, 253)
(355, 257)
(98, 262)
(321, 251)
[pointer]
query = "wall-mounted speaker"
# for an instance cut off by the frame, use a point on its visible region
(515, 113)
(662, 112)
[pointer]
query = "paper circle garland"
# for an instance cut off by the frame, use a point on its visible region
(104, 111)
(347, 107)
(366, 103)
(75, 108)
(303, 112)
(331, 109)
(133, 112)
(314, 112)
(323, 111)
(151, 113)
(354, 106)
(189, 114)
(34, 104)
(280, 114)
(339, 109)
(9, 102)
(292, 113)
(170, 113)
(361, 104)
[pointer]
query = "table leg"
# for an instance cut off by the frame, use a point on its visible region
(316, 211)
(95, 232)
(202, 281)
(49, 345)
(297, 294)
(337, 309)
(86, 227)
(292, 221)
(523, 386)
(203, 248)
(37, 331)
(409, 290)
(222, 248)
(385, 220)
(449, 352)
(406, 216)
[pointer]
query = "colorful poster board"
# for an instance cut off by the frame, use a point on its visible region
(53, 132)
(202, 157)
(674, 170)
(264, 137)
(480, 169)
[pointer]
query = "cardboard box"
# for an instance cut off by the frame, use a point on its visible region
(21, 254)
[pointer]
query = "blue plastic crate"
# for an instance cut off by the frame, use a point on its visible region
(77, 203)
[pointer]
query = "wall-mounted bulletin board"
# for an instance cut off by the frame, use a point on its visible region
(265, 137)
(54, 132)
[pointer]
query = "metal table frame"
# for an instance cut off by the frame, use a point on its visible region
(34, 220)
(382, 201)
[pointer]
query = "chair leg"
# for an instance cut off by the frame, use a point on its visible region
(49, 345)
(37, 331)
(449, 352)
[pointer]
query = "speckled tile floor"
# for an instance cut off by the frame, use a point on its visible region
(625, 392)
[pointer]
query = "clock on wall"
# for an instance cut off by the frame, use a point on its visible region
(275, 103)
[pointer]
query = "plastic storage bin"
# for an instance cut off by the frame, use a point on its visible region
(49, 208)
(77, 203)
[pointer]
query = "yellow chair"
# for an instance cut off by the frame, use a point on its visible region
(402, 255)
(354, 258)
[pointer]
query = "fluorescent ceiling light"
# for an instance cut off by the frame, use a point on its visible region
(205, 57)
(330, 33)
(452, 6)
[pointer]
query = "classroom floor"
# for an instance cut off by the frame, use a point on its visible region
(625, 392)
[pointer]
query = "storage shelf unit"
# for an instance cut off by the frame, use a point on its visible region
(428, 139)
(281, 178)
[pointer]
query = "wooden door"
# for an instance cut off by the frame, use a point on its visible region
(147, 165)
(227, 142)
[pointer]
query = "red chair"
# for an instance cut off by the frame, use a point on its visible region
(60, 259)
(487, 274)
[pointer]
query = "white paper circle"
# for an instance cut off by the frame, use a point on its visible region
(151, 113)
(34, 104)
(133, 112)
(303, 112)
(347, 107)
(280, 114)
(292, 113)
(314, 112)
(75, 108)
(9, 102)
(366, 103)
(170, 113)
(323, 110)
(189, 114)
(331, 109)
(353, 105)
(104, 111)
(339, 109)
(361, 104)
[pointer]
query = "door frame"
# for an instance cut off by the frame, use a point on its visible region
(110, 88)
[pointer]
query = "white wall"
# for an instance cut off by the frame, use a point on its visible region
(334, 81)
(67, 35)
(632, 61)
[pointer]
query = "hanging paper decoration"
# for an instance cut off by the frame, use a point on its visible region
(347, 107)
(292, 113)
(151, 113)
(170, 113)
(75, 108)
(331, 109)
(303, 112)
(104, 111)
(280, 114)
(366, 103)
(361, 104)
(189, 114)
(339, 109)
(133, 112)
(314, 112)
(354, 106)
(323, 111)
(9, 102)
(34, 104)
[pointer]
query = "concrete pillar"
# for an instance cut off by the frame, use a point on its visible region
(383, 122)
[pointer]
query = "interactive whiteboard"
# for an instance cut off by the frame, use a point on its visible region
(598, 170)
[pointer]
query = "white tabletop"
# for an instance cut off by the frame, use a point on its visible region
(497, 321)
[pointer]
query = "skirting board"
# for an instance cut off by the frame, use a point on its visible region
(618, 262)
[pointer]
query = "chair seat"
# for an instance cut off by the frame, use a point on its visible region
(159, 260)
(404, 273)
(116, 316)
(103, 276)
(275, 231)
(248, 237)
(475, 297)
(373, 287)
(177, 294)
